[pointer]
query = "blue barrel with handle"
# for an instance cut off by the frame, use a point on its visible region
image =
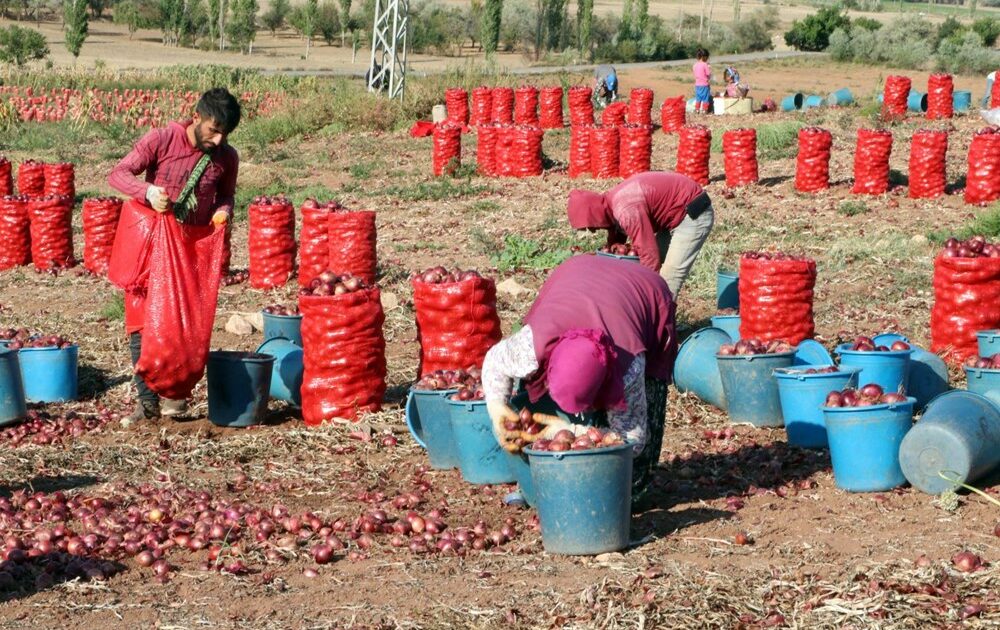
(49, 374)
(695, 369)
(961, 100)
(840, 98)
(813, 101)
(985, 382)
(728, 323)
(927, 376)
(727, 289)
(802, 397)
(989, 342)
(916, 102)
(584, 499)
(239, 386)
(890, 370)
(286, 371)
(792, 102)
(750, 387)
(958, 435)
(12, 404)
(287, 326)
(428, 416)
(864, 445)
(480, 457)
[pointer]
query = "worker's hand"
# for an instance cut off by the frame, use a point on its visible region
(220, 219)
(157, 198)
(554, 424)
(504, 417)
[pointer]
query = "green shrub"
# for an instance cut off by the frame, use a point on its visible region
(813, 32)
(435, 27)
(966, 55)
(865, 23)
(948, 29)
(989, 29)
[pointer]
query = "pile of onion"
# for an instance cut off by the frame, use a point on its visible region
(619, 249)
(273, 200)
(15, 334)
(470, 392)
(236, 276)
(440, 275)
(830, 369)
(867, 344)
(440, 380)
(755, 346)
(282, 310)
(974, 247)
(330, 283)
(986, 363)
(565, 440)
(40, 341)
(773, 256)
(42, 428)
(868, 396)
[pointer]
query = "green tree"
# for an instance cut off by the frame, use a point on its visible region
(345, 23)
(275, 16)
(489, 33)
(584, 26)
(328, 23)
(553, 23)
(625, 26)
(242, 27)
(213, 23)
(75, 20)
(641, 18)
(97, 7)
(988, 29)
(813, 32)
(19, 45)
(127, 14)
(303, 19)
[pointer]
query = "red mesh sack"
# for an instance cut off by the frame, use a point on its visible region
(581, 107)
(982, 180)
(693, 151)
(482, 106)
(614, 114)
(59, 179)
(6, 181)
(894, 96)
(524, 151)
(503, 151)
(129, 263)
(271, 242)
(181, 294)
(31, 178)
(604, 150)
(776, 299)
(456, 102)
(739, 147)
(640, 106)
(940, 96)
(314, 242)
(227, 253)
(457, 322)
(526, 105)
(871, 162)
(486, 147)
(673, 114)
(15, 232)
(635, 149)
(550, 109)
(447, 152)
(812, 165)
(51, 232)
(579, 150)
(343, 355)
(100, 222)
(966, 300)
(995, 94)
(928, 151)
(503, 105)
(352, 244)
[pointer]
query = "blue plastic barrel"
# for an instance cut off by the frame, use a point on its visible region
(480, 457)
(618, 256)
(49, 374)
(989, 342)
(239, 385)
(864, 445)
(890, 370)
(750, 387)
(728, 323)
(584, 499)
(961, 100)
(802, 397)
(520, 467)
(792, 102)
(12, 404)
(814, 100)
(927, 376)
(959, 434)
(727, 289)
(287, 326)
(984, 382)
(916, 102)
(428, 417)
(696, 370)
(840, 98)
(286, 371)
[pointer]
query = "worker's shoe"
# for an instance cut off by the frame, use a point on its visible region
(173, 408)
(144, 410)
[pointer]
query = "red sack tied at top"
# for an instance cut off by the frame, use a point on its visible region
(871, 162)
(271, 241)
(739, 147)
(314, 246)
(982, 180)
(581, 107)
(966, 300)
(928, 154)
(6, 181)
(673, 114)
(51, 232)
(579, 150)
(776, 298)
(693, 151)
(352, 237)
(100, 222)
(482, 106)
(812, 165)
(640, 106)
(15, 232)
(31, 178)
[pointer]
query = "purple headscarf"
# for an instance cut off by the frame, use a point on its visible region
(583, 374)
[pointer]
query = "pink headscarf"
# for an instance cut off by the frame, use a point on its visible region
(582, 373)
(588, 209)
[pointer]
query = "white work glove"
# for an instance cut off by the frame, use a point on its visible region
(503, 416)
(555, 424)
(157, 198)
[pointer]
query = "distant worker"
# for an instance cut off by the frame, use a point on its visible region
(702, 83)
(605, 84)
(734, 87)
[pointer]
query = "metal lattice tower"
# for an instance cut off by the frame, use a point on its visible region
(387, 69)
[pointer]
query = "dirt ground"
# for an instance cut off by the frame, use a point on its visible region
(820, 558)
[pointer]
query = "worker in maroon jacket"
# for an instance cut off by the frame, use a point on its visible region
(666, 216)
(191, 171)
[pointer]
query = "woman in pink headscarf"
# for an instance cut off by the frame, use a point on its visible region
(599, 337)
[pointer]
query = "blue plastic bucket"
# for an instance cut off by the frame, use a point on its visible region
(811, 353)
(989, 342)
(840, 98)
(286, 371)
(916, 102)
(727, 289)
(695, 369)
(428, 417)
(802, 397)
(959, 434)
(751, 389)
(287, 326)
(520, 467)
(792, 102)
(927, 376)
(728, 323)
(49, 374)
(618, 256)
(814, 100)
(864, 445)
(480, 457)
(239, 384)
(984, 382)
(961, 100)
(890, 370)
(584, 499)
(12, 404)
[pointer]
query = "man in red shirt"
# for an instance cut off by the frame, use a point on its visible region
(168, 156)
(666, 216)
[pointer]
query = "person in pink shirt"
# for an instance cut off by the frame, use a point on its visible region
(702, 83)
(168, 156)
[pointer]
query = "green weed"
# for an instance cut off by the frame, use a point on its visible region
(852, 208)
(436, 190)
(774, 140)
(114, 309)
(418, 246)
(483, 206)
(364, 170)
(518, 252)
(985, 224)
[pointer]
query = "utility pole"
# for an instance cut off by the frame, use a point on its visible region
(389, 47)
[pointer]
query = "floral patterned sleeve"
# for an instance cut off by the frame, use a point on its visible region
(632, 422)
(509, 360)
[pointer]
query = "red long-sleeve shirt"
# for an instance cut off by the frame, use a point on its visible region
(167, 157)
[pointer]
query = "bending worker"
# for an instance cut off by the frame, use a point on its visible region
(599, 337)
(666, 216)
(190, 171)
